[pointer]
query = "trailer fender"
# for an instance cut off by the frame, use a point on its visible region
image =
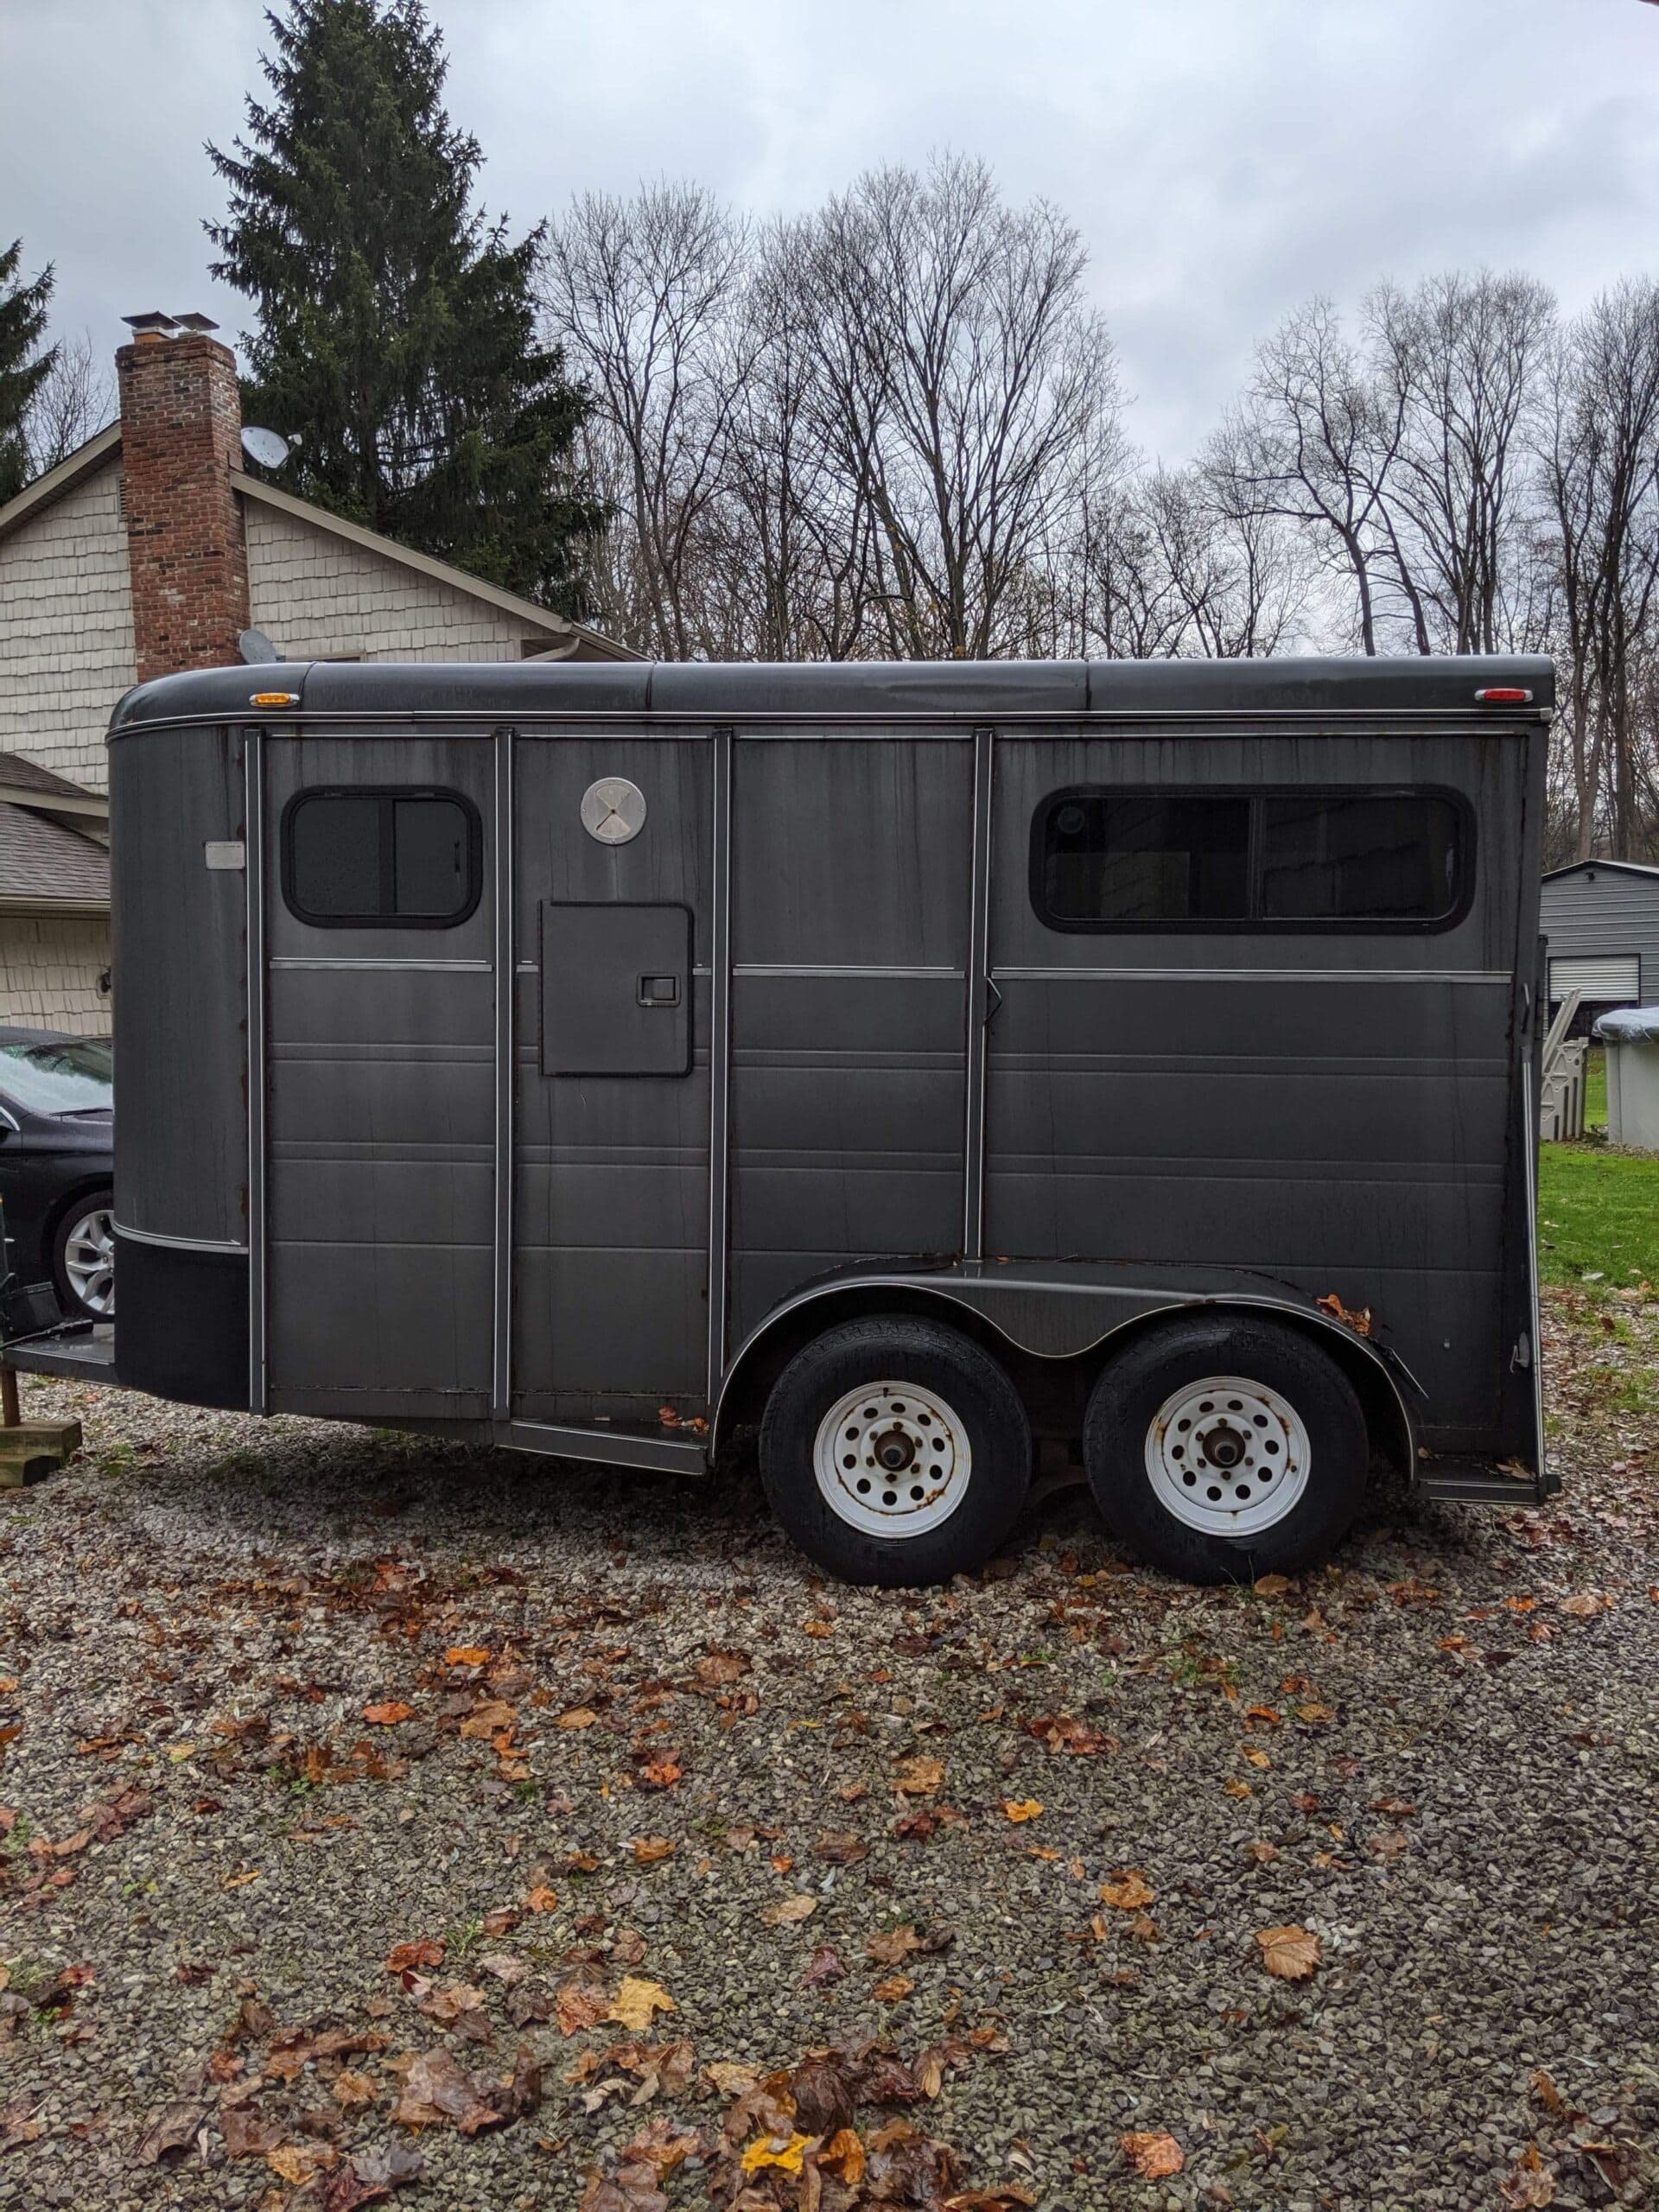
(1058, 1323)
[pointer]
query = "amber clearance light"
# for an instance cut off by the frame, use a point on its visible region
(277, 699)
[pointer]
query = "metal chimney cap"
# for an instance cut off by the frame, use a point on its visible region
(155, 325)
(195, 322)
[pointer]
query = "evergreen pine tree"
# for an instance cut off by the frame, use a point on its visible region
(396, 342)
(22, 370)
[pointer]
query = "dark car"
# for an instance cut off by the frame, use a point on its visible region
(56, 1127)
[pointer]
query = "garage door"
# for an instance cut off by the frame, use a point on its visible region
(1618, 980)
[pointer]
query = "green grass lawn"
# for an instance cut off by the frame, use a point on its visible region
(1595, 1089)
(1598, 1215)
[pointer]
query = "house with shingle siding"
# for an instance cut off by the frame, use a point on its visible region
(153, 548)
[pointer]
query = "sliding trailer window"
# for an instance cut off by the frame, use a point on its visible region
(1353, 858)
(392, 857)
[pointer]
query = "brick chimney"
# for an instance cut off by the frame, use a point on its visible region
(180, 437)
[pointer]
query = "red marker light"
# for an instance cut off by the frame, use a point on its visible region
(1505, 695)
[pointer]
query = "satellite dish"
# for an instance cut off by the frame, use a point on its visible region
(265, 446)
(256, 647)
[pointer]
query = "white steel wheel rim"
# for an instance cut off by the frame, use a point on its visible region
(892, 1460)
(89, 1259)
(1228, 1455)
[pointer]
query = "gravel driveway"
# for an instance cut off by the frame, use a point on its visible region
(388, 1820)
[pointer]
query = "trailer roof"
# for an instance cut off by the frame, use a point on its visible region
(961, 692)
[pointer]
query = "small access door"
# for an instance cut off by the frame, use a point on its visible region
(611, 1185)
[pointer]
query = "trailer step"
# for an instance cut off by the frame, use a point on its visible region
(1477, 1483)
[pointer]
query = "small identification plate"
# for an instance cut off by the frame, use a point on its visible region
(226, 852)
(613, 810)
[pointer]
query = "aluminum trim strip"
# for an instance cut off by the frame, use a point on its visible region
(178, 1243)
(424, 967)
(667, 1453)
(977, 997)
(720, 1054)
(253, 771)
(1252, 975)
(788, 968)
(505, 968)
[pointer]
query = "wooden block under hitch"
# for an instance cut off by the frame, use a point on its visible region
(35, 1448)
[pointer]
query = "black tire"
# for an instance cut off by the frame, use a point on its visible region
(88, 1206)
(1133, 1390)
(950, 1372)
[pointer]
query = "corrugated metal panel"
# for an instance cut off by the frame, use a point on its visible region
(1617, 977)
(1599, 914)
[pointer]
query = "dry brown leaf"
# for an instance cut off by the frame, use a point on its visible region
(731, 2077)
(388, 1715)
(893, 1945)
(466, 1654)
(541, 1899)
(637, 2002)
(1153, 2155)
(894, 1989)
(789, 1909)
(774, 2150)
(352, 2090)
(843, 2157)
(1529, 2184)
(1583, 1605)
(579, 1716)
(1127, 1890)
(403, 1957)
(1021, 1809)
(295, 2163)
(649, 1849)
(918, 1778)
(579, 2004)
(1288, 1953)
(841, 1847)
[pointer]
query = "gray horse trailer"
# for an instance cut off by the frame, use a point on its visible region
(916, 1064)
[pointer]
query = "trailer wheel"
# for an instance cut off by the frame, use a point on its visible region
(1225, 1446)
(895, 1452)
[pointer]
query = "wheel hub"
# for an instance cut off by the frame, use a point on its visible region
(89, 1260)
(892, 1460)
(1228, 1455)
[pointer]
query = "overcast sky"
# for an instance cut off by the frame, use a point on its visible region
(1223, 158)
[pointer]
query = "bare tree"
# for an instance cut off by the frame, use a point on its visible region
(1459, 360)
(1601, 470)
(1313, 444)
(965, 389)
(74, 401)
(641, 294)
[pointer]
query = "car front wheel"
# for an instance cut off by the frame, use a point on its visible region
(83, 1258)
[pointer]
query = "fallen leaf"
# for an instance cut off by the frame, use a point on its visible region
(541, 1899)
(648, 1850)
(1528, 2184)
(825, 1966)
(637, 2001)
(1271, 1586)
(466, 1654)
(844, 2156)
(894, 1989)
(773, 2150)
(296, 2163)
(789, 1909)
(579, 2004)
(1154, 2156)
(918, 1778)
(404, 1958)
(1583, 1605)
(1128, 1891)
(579, 1716)
(1290, 1954)
(388, 1715)
(893, 1945)
(175, 2128)
(841, 1847)
(731, 2077)
(1021, 1809)
(352, 2090)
